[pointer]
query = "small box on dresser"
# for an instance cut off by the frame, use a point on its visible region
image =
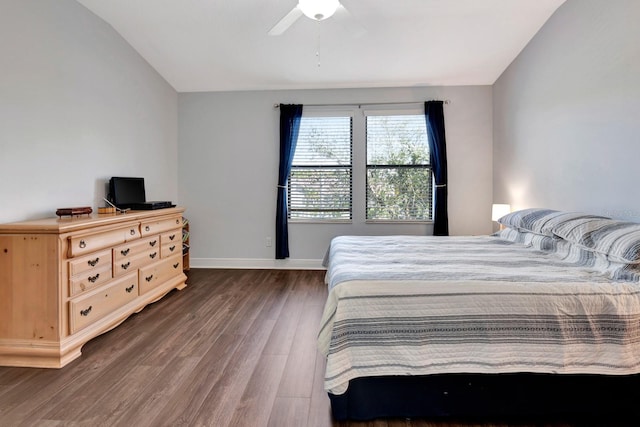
(64, 281)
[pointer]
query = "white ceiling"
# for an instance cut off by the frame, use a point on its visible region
(221, 45)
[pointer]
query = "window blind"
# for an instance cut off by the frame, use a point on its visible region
(320, 183)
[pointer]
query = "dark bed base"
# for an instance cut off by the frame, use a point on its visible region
(612, 398)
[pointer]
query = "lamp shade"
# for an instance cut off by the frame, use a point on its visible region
(318, 9)
(498, 210)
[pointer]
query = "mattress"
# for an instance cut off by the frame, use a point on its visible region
(420, 305)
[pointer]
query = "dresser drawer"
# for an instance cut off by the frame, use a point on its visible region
(172, 236)
(89, 279)
(171, 249)
(160, 226)
(125, 265)
(134, 248)
(86, 309)
(159, 272)
(86, 243)
(89, 262)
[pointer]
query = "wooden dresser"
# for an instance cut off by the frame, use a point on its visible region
(64, 281)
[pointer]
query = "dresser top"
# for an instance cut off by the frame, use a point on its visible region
(57, 225)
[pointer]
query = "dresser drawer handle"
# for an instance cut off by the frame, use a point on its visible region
(153, 243)
(130, 288)
(173, 236)
(147, 228)
(126, 265)
(93, 279)
(82, 244)
(132, 231)
(148, 279)
(93, 262)
(176, 265)
(177, 221)
(153, 255)
(86, 311)
(125, 252)
(171, 248)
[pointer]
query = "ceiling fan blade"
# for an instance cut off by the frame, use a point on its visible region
(284, 24)
(349, 22)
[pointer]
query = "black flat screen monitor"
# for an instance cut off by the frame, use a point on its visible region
(126, 191)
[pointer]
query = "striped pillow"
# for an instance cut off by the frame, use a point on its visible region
(548, 224)
(527, 220)
(533, 240)
(541, 221)
(512, 235)
(618, 240)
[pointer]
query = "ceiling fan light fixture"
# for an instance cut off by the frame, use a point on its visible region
(318, 10)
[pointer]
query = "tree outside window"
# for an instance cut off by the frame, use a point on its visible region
(399, 182)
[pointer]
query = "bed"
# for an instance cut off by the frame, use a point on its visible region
(542, 318)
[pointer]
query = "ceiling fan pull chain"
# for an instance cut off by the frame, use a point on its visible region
(318, 47)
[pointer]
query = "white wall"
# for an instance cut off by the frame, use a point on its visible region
(228, 162)
(77, 105)
(567, 113)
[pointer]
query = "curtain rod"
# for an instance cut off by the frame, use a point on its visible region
(360, 104)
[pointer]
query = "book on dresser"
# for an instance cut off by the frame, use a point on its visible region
(64, 281)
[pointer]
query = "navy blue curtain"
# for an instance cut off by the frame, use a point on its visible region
(290, 116)
(434, 115)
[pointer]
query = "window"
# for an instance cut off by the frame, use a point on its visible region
(320, 183)
(398, 181)
(384, 153)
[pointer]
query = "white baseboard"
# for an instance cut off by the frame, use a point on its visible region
(257, 263)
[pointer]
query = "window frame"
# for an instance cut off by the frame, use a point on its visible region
(326, 112)
(367, 167)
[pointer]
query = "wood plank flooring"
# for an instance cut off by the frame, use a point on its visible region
(235, 348)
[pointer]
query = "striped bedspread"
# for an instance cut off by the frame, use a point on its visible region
(417, 305)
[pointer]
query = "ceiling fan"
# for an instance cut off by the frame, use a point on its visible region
(318, 10)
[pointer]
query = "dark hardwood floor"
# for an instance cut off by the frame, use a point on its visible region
(235, 348)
